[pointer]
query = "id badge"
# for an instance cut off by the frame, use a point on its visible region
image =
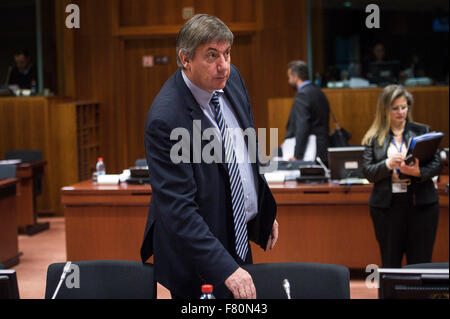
(399, 188)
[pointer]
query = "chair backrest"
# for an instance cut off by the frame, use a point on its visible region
(28, 156)
(7, 171)
(306, 280)
(104, 279)
(140, 162)
(428, 266)
(24, 155)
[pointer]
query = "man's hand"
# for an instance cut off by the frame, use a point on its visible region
(240, 283)
(273, 236)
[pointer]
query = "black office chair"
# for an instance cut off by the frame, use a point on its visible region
(24, 155)
(104, 279)
(7, 171)
(306, 280)
(428, 266)
(140, 162)
(27, 156)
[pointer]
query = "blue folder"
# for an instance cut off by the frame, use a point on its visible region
(424, 146)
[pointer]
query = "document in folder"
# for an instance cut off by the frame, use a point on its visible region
(288, 148)
(424, 146)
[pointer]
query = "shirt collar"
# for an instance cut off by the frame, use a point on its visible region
(201, 96)
(303, 84)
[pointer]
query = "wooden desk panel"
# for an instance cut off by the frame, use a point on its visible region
(105, 221)
(9, 245)
(320, 223)
(26, 206)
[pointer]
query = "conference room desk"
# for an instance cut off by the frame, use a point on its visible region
(29, 173)
(9, 245)
(324, 223)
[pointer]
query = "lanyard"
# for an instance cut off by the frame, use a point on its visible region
(395, 144)
(398, 149)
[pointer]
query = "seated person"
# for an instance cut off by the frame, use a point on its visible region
(23, 74)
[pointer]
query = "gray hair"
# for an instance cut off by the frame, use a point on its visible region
(300, 68)
(201, 29)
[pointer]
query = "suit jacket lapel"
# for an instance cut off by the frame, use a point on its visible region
(237, 108)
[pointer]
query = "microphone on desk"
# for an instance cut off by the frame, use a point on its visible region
(287, 288)
(322, 165)
(63, 276)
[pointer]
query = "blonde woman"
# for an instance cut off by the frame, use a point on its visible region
(404, 203)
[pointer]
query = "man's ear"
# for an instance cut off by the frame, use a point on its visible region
(185, 61)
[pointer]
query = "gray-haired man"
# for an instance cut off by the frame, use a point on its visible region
(202, 215)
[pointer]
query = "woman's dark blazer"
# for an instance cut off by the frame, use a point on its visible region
(376, 171)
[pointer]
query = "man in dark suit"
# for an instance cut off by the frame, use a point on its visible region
(203, 213)
(24, 73)
(309, 114)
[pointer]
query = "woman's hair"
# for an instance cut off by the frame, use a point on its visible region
(382, 122)
(201, 29)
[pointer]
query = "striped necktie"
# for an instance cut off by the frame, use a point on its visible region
(237, 191)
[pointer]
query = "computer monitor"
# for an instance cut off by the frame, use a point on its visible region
(401, 283)
(345, 162)
(8, 284)
(384, 73)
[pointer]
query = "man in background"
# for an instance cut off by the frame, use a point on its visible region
(308, 121)
(23, 74)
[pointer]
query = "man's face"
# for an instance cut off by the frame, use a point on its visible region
(292, 79)
(21, 61)
(209, 69)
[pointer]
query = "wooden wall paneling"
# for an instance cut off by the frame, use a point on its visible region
(97, 78)
(151, 13)
(431, 108)
(65, 52)
(122, 106)
(24, 125)
(277, 114)
(282, 39)
(142, 84)
(354, 110)
(145, 18)
(242, 58)
(63, 121)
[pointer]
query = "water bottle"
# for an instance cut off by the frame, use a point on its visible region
(33, 87)
(207, 292)
(100, 167)
(318, 80)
